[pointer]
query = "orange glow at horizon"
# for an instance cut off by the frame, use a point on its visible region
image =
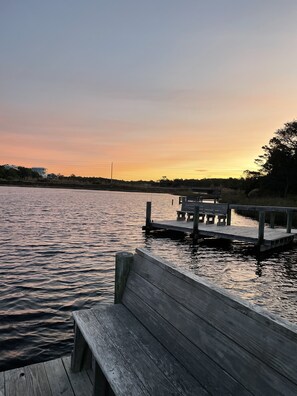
(195, 97)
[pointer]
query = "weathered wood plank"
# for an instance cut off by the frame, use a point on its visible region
(80, 351)
(16, 382)
(130, 329)
(226, 353)
(2, 383)
(80, 382)
(258, 313)
(214, 378)
(123, 263)
(57, 378)
(27, 381)
(138, 360)
(115, 368)
(230, 320)
(239, 233)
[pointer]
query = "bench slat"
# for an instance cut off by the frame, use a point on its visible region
(204, 207)
(122, 379)
(234, 323)
(126, 327)
(226, 353)
(208, 373)
(266, 318)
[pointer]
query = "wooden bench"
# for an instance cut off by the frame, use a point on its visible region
(206, 210)
(173, 333)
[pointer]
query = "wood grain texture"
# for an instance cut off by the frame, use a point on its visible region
(27, 381)
(230, 320)
(80, 351)
(152, 350)
(57, 378)
(123, 263)
(212, 377)
(80, 382)
(114, 366)
(236, 360)
(263, 316)
(2, 383)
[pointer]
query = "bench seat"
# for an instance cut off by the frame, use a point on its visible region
(132, 360)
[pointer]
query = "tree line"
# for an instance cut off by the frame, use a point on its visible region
(277, 165)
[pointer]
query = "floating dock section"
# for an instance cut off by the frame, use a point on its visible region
(264, 237)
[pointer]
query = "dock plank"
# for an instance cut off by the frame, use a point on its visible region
(233, 232)
(80, 382)
(58, 378)
(30, 380)
(51, 378)
(2, 383)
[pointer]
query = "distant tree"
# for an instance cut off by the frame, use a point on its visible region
(278, 163)
(27, 173)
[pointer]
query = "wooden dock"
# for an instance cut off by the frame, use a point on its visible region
(273, 237)
(264, 237)
(50, 378)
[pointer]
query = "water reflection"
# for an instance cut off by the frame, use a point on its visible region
(57, 252)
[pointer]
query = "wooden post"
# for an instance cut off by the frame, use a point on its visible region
(228, 216)
(261, 227)
(289, 221)
(100, 386)
(148, 215)
(124, 261)
(196, 222)
(79, 351)
(272, 219)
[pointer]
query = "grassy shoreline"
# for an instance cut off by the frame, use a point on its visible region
(96, 187)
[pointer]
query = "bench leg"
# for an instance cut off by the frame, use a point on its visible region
(210, 219)
(181, 216)
(201, 218)
(80, 350)
(101, 386)
(221, 220)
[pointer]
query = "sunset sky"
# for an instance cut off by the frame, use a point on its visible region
(176, 88)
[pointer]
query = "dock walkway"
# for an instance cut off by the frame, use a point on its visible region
(274, 237)
(50, 378)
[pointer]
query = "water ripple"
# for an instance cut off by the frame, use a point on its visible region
(57, 251)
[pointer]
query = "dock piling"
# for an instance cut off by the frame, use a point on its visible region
(123, 263)
(228, 215)
(196, 222)
(289, 221)
(261, 227)
(272, 219)
(148, 218)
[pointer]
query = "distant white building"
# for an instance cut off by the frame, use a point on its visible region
(41, 171)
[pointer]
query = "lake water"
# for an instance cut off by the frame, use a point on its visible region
(57, 251)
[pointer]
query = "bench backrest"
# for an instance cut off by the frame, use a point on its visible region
(212, 208)
(230, 346)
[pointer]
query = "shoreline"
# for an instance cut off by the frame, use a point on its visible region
(99, 187)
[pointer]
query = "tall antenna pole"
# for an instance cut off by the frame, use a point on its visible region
(111, 172)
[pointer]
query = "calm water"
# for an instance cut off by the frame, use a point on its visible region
(57, 252)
